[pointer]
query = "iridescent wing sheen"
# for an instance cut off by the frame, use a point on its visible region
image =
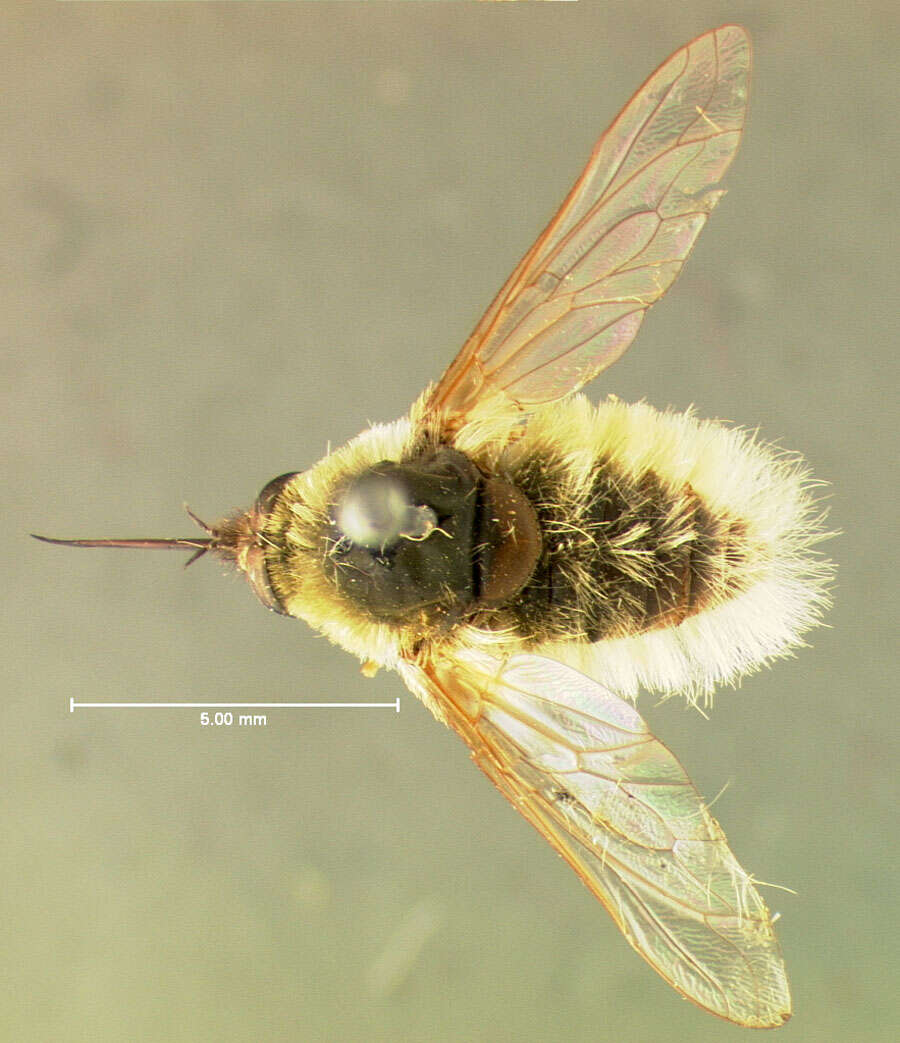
(577, 298)
(581, 766)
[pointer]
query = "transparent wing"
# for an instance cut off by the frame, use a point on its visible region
(581, 766)
(618, 242)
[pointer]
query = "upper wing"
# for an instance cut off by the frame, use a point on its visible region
(581, 766)
(618, 242)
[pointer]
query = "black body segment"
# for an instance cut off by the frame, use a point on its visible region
(630, 555)
(434, 572)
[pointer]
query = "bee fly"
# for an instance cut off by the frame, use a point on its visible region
(527, 561)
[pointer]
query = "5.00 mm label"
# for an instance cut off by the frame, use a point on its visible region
(225, 718)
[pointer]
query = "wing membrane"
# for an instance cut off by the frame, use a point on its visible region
(577, 299)
(582, 767)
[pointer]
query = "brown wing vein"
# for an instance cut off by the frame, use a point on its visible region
(604, 234)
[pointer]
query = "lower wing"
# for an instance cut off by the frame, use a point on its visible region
(580, 764)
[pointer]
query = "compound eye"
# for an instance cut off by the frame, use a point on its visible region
(271, 491)
(377, 511)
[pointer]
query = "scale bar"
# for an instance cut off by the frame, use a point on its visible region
(395, 705)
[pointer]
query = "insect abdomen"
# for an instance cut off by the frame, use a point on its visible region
(631, 555)
(678, 554)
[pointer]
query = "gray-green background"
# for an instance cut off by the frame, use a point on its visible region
(236, 233)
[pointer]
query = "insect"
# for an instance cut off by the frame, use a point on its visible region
(528, 561)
